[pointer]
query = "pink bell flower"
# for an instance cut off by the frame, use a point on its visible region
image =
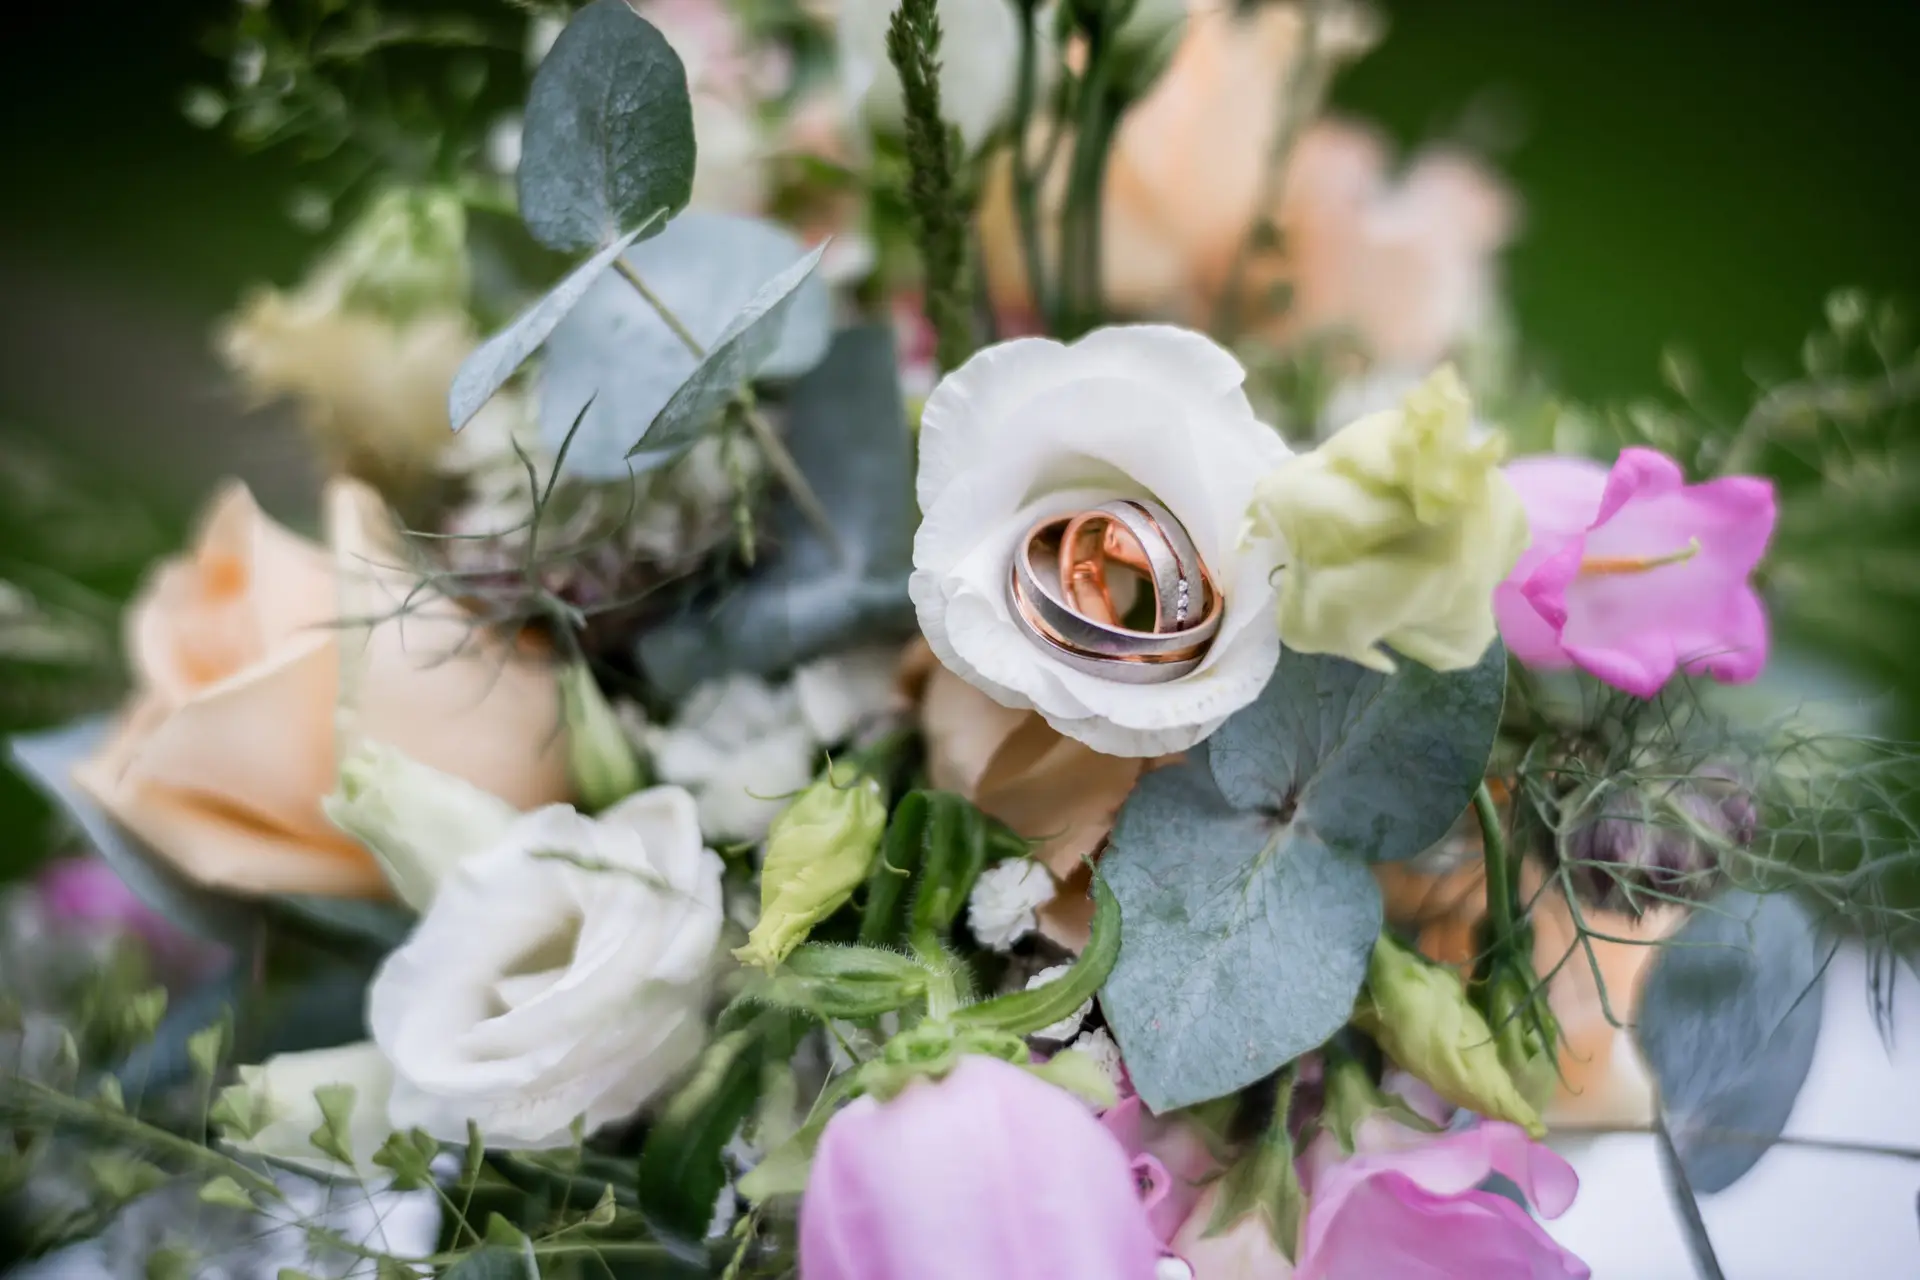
(1634, 573)
(1170, 1162)
(1407, 1205)
(989, 1172)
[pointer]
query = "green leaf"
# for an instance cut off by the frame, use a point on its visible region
(142, 1013)
(609, 131)
(1245, 940)
(847, 429)
(228, 1193)
(206, 1048)
(680, 1174)
(1242, 874)
(730, 362)
(410, 1156)
(334, 1137)
(1729, 1017)
(487, 368)
(615, 362)
(171, 1262)
(122, 1177)
(47, 759)
(1374, 766)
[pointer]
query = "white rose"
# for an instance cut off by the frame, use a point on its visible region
(561, 974)
(743, 746)
(1031, 429)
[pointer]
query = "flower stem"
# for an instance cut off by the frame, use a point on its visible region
(756, 422)
(1502, 871)
(1026, 196)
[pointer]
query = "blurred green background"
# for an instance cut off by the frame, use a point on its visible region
(1700, 173)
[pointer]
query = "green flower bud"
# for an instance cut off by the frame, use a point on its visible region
(1525, 1031)
(406, 254)
(416, 821)
(600, 759)
(818, 852)
(1420, 1014)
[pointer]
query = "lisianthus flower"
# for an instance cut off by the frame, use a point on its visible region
(1031, 429)
(1634, 574)
(561, 974)
(1398, 529)
(936, 1184)
(1409, 1204)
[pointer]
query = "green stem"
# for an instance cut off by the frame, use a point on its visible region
(1080, 284)
(1026, 196)
(1502, 875)
(744, 403)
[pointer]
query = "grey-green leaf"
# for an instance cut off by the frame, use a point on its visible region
(1245, 939)
(1729, 1018)
(1374, 766)
(847, 430)
(614, 363)
(48, 759)
(747, 342)
(490, 364)
(609, 131)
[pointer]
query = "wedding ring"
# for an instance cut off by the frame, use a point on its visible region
(1049, 577)
(1144, 536)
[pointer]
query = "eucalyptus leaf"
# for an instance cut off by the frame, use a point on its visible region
(48, 759)
(733, 359)
(1376, 766)
(609, 130)
(1729, 1017)
(1243, 876)
(1244, 940)
(847, 429)
(615, 363)
(488, 367)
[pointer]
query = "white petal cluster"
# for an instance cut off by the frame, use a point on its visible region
(1001, 909)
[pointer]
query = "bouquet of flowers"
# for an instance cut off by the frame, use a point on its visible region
(993, 671)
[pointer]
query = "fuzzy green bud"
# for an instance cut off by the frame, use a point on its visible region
(416, 821)
(818, 852)
(1526, 1032)
(1420, 1014)
(600, 758)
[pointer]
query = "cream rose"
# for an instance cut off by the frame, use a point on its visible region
(1031, 429)
(560, 974)
(256, 652)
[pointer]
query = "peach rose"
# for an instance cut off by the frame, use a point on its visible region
(257, 652)
(1402, 263)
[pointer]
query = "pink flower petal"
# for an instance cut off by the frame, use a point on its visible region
(1635, 627)
(1390, 1226)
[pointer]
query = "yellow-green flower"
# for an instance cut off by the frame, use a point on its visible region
(1420, 1014)
(818, 852)
(1397, 531)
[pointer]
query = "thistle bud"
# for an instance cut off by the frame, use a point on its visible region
(416, 821)
(1667, 836)
(818, 852)
(1420, 1014)
(600, 759)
